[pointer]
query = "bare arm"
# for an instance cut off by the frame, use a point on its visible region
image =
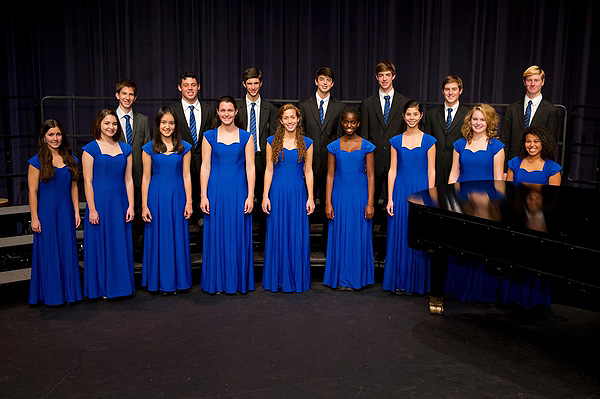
(555, 179)
(499, 165)
(266, 202)
(250, 175)
(146, 176)
(75, 200)
(87, 162)
(455, 171)
(392, 180)
(370, 208)
(33, 182)
(310, 180)
(510, 175)
(329, 185)
(205, 175)
(129, 188)
(431, 166)
(187, 184)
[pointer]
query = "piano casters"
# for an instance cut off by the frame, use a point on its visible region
(437, 275)
(436, 305)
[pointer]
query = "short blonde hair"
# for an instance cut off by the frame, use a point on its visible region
(534, 70)
(491, 119)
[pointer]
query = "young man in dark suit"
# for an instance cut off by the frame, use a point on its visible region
(194, 119)
(444, 122)
(262, 125)
(532, 109)
(321, 123)
(136, 134)
(382, 119)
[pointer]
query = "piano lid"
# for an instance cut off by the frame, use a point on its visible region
(566, 214)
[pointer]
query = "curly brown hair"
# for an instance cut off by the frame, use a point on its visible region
(491, 118)
(64, 150)
(277, 146)
(548, 143)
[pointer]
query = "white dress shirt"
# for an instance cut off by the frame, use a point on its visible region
(325, 103)
(535, 103)
(257, 112)
(382, 99)
(197, 114)
(121, 114)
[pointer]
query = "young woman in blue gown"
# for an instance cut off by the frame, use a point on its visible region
(107, 240)
(534, 164)
(412, 169)
(479, 155)
(166, 207)
(54, 204)
(287, 201)
(227, 177)
(350, 189)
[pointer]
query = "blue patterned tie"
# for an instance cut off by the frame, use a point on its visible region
(193, 126)
(128, 130)
(449, 120)
(253, 126)
(321, 112)
(386, 110)
(528, 113)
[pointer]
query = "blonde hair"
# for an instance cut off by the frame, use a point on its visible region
(534, 70)
(491, 119)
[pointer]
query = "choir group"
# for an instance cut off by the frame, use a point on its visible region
(142, 192)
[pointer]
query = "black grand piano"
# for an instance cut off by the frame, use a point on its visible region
(530, 228)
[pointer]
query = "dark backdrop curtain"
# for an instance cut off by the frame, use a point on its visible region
(85, 47)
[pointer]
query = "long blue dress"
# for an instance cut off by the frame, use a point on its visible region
(227, 257)
(55, 275)
(405, 268)
(107, 246)
(287, 242)
(468, 279)
(349, 261)
(167, 264)
(527, 290)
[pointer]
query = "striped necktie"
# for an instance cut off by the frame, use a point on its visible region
(386, 109)
(253, 126)
(128, 130)
(528, 113)
(193, 126)
(449, 120)
(321, 112)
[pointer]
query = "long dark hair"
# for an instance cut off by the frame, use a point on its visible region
(64, 150)
(548, 143)
(277, 146)
(236, 121)
(158, 146)
(96, 128)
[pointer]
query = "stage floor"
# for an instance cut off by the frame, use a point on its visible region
(318, 344)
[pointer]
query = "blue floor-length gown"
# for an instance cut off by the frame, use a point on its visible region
(405, 268)
(349, 261)
(527, 290)
(55, 277)
(227, 257)
(287, 242)
(107, 246)
(468, 279)
(167, 264)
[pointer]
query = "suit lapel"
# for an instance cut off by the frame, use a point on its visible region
(538, 112)
(376, 104)
(441, 119)
(312, 104)
(458, 120)
(393, 109)
(521, 114)
(264, 118)
(330, 107)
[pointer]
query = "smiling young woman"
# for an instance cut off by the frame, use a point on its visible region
(107, 239)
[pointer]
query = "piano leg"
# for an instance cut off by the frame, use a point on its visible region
(438, 271)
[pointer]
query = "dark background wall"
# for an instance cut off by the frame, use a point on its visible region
(84, 47)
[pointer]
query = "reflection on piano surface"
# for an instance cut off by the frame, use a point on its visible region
(543, 230)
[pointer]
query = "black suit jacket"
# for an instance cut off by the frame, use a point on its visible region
(514, 124)
(321, 135)
(435, 125)
(373, 129)
(141, 135)
(208, 115)
(267, 124)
